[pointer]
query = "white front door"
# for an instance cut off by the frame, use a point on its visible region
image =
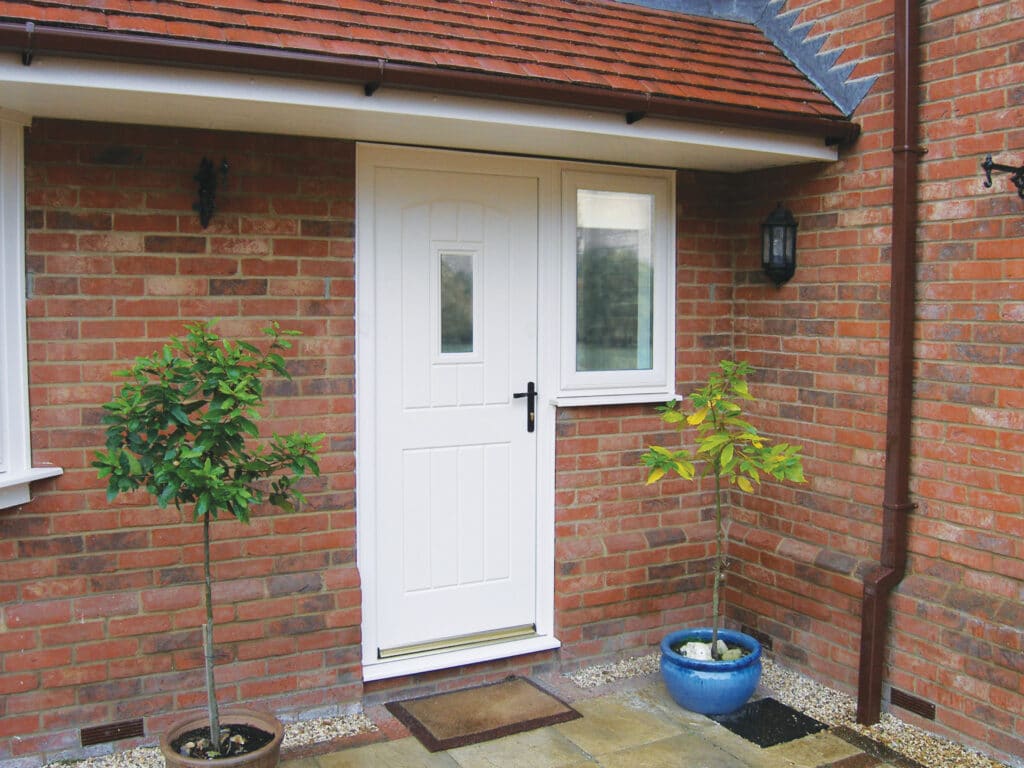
(454, 518)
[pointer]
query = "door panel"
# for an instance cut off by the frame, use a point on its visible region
(456, 286)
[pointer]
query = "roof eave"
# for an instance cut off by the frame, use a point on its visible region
(31, 39)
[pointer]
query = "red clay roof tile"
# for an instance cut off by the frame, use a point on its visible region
(598, 43)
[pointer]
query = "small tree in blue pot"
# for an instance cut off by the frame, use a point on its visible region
(702, 672)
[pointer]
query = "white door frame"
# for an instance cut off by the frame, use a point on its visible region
(369, 156)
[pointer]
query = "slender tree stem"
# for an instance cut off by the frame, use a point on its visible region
(719, 561)
(211, 688)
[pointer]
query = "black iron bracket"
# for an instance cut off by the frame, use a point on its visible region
(206, 177)
(1016, 174)
(28, 52)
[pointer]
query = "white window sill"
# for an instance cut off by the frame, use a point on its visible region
(14, 486)
(628, 398)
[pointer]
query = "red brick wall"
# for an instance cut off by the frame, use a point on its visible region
(100, 606)
(101, 601)
(821, 344)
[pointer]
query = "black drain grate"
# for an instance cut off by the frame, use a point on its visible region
(768, 722)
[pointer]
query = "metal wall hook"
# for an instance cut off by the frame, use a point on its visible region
(206, 177)
(1016, 174)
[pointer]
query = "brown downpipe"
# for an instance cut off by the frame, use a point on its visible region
(896, 505)
(31, 40)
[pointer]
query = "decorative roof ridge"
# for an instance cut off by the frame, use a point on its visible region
(780, 26)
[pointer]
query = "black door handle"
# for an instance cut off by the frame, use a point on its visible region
(531, 399)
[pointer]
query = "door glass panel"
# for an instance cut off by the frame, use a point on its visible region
(456, 302)
(614, 281)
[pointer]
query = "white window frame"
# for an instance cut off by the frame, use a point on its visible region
(16, 470)
(656, 384)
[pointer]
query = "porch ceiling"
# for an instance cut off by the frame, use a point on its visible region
(545, 77)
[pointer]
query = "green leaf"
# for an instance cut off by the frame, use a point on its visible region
(739, 386)
(726, 456)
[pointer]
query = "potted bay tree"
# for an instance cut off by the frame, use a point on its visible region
(714, 670)
(183, 429)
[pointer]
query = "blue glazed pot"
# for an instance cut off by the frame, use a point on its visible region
(710, 687)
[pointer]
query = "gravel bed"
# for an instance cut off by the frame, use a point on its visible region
(839, 709)
(305, 732)
(599, 674)
(822, 703)
(297, 734)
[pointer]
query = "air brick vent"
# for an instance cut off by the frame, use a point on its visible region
(912, 703)
(101, 734)
(764, 639)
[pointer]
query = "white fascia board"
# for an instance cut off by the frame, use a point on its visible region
(152, 95)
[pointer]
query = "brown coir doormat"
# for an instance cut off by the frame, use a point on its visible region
(449, 720)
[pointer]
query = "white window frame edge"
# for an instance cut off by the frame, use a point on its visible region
(619, 387)
(16, 470)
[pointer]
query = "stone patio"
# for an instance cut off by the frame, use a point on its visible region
(631, 726)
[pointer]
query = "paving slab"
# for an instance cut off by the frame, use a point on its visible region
(614, 723)
(401, 753)
(542, 748)
(687, 750)
(812, 751)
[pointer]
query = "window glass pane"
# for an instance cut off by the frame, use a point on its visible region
(614, 281)
(456, 302)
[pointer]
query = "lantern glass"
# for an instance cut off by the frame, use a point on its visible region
(778, 245)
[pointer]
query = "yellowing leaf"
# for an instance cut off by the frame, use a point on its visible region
(743, 483)
(685, 469)
(655, 475)
(697, 417)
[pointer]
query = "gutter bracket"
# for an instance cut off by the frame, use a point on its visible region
(27, 53)
(371, 88)
(636, 115)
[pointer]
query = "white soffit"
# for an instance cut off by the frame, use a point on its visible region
(151, 95)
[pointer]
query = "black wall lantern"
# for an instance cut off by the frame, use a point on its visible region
(778, 245)
(206, 177)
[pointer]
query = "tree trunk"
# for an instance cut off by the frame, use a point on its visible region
(719, 563)
(211, 687)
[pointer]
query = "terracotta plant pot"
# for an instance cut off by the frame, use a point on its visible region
(266, 756)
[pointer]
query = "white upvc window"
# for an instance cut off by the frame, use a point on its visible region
(618, 288)
(16, 470)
